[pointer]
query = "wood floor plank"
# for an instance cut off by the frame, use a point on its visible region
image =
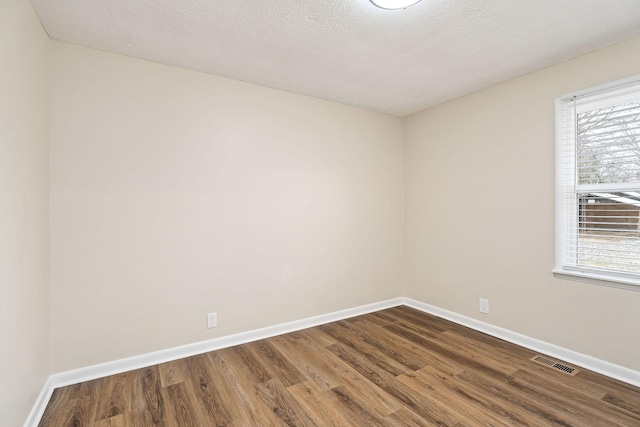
(344, 375)
(276, 363)
(67, 412)
(393, 346)
(283, 404)
(519, 358)
(359, 414)
(239, 401)
(72, 405)
(395, 367)
(463, 359)
(122, 420)
(309, 360)
(381, 318)
(609, 385)
(59, 405)
(173, 372)
(405, 418)
(581, 400)
(249, 381)
(466, 410)
(433, 357)
(207, 390)
(476, 344)
(537, 405)
(181, 406)
(318, 405)
(317, 335)
(426, 322)
(254, 367)
(147, 405)
(345, 336)
(471, 353)
(485, 402)
(116, 396)
(576, 409)
(631, 406)
(429, 410)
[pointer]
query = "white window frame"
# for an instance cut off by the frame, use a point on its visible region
(564, 134)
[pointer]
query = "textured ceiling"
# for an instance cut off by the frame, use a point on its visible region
(394, 61)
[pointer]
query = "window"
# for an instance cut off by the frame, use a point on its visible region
(598, 185)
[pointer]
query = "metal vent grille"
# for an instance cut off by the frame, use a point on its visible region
(570, 370)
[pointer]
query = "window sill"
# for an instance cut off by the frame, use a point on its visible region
(598, 279)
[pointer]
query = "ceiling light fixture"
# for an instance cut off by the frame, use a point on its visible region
(394, 4)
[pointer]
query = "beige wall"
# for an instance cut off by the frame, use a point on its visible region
(176, 193)
(24, 210)
(479, 191)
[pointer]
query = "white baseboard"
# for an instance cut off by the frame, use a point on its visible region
(88, 373)
(41, 404)
(597, 365)
(136, 362)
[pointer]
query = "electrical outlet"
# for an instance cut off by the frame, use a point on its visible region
(484, 306)
(212, 320)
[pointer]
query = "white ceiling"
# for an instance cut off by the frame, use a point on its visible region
(394, 61)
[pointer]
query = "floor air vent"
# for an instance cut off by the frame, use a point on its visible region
(555, 365)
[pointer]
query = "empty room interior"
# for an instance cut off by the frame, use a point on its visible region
(334, 212)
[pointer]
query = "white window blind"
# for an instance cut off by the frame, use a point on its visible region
(598, 183)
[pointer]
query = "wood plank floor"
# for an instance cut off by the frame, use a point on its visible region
(396, 367)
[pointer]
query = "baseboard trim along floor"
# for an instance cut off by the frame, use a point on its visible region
(127, 364)
(612, 370)
(88, 373)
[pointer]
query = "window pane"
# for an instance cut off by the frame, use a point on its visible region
(608, 145)
(609, 231)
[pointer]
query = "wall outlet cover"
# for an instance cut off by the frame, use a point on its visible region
(212, 320)
(484, 306)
